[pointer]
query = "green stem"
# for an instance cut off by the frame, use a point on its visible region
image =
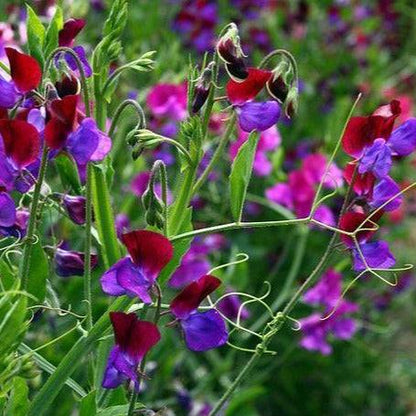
(128, 103)
(238, 226)
(285, 53)
(219, 151)
(27, 251)
(88, 240)
(235, 384)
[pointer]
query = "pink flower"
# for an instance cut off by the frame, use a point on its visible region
(168, 100)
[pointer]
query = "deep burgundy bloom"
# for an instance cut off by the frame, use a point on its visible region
(134, 338)
(25, 75)
(202, 330)
(134, 275)
(71, 263)
(70, 30)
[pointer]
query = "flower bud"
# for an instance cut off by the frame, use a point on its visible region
(202, 88)
(75, 207)
(278, 85)
(51, 92)
(71, 263)
(68, 85)
(137, 151)
(229, 50)
(291, 103)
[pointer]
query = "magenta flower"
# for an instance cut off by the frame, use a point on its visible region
(134, 338)
(202, 330)
(326, 292)
(316, 331)
(168, 100)
(134, 275)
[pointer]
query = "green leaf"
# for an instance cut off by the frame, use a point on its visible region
(104, 218)
(12, 321)
(68, 173)
(51, 39)
(241, 173)
(6, 276)
(88, 406)
(38, 272)
(18, 403)
(35, 35)
(118, 410)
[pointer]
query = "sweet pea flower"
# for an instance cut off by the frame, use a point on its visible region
(374, 254)
(202, 330)
(18, 228)
(25, 74)
(7, 210)
(71, 263)
(134, 275)
(316, 330)
(326, 292)
(133, 339)
(168, 100)
(253, 115)
(230, 306)
(75, 208)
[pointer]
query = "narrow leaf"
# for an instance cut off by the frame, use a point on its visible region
(35, 35)
(18, 403)
(68, 173)
(51, 39)
(240, 175)
(38, 272)
(88, 406)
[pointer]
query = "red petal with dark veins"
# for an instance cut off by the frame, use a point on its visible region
(132, 335)
(350, 221)
(189, 299)
(362, 131)
(24, 70)
(363, 184)
(150, 251)
(21, 141)
(70, 30)
(241, 92)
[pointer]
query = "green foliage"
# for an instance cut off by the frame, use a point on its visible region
(240, 175)
(18, 404)
(68, 173)
(38, 272)
(35, 35)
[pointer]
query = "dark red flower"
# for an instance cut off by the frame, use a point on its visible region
(363, 184)
(21, 141)
(241, 92)
(133, 336)
(351, 220)
(189, 299)
(70, 30)
(24, 70)
(149, 251)
(362, 131)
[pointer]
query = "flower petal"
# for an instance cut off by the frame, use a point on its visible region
(150, 251)
(70, 30)
(241, 92)
(385, 189)
(376, 159)
(377, 255)
(119, 369)
(363, 184)
(21, 141)
(258, 116)
(350, 221)
(7, 210)
(70, 60)
(124, 278)
(24, 70)
(132, 335)
(403, 139)
(9, 94)
(204, 331)
(189, 299)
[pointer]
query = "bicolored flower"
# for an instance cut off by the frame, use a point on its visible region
(133, 338)
(374, 254)
(26, 75)
(202, 330)
(134, 275)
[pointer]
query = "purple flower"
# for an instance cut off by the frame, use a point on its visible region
(316, 331)
(134, 275)
(281, 194)
(71, 263)
(383, 191)
(122, 224)
(377, 255)
(134, 338)
(202, 330)
(230, 305)
(258, 115)
(70, 60)
(18, 228)
(7, 210)
(326, 292)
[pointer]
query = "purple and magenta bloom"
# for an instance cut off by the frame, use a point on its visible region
(134, 275)
(26, 75)
(202, 330)
(71, 263)
(326, 292)
(133, 338)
